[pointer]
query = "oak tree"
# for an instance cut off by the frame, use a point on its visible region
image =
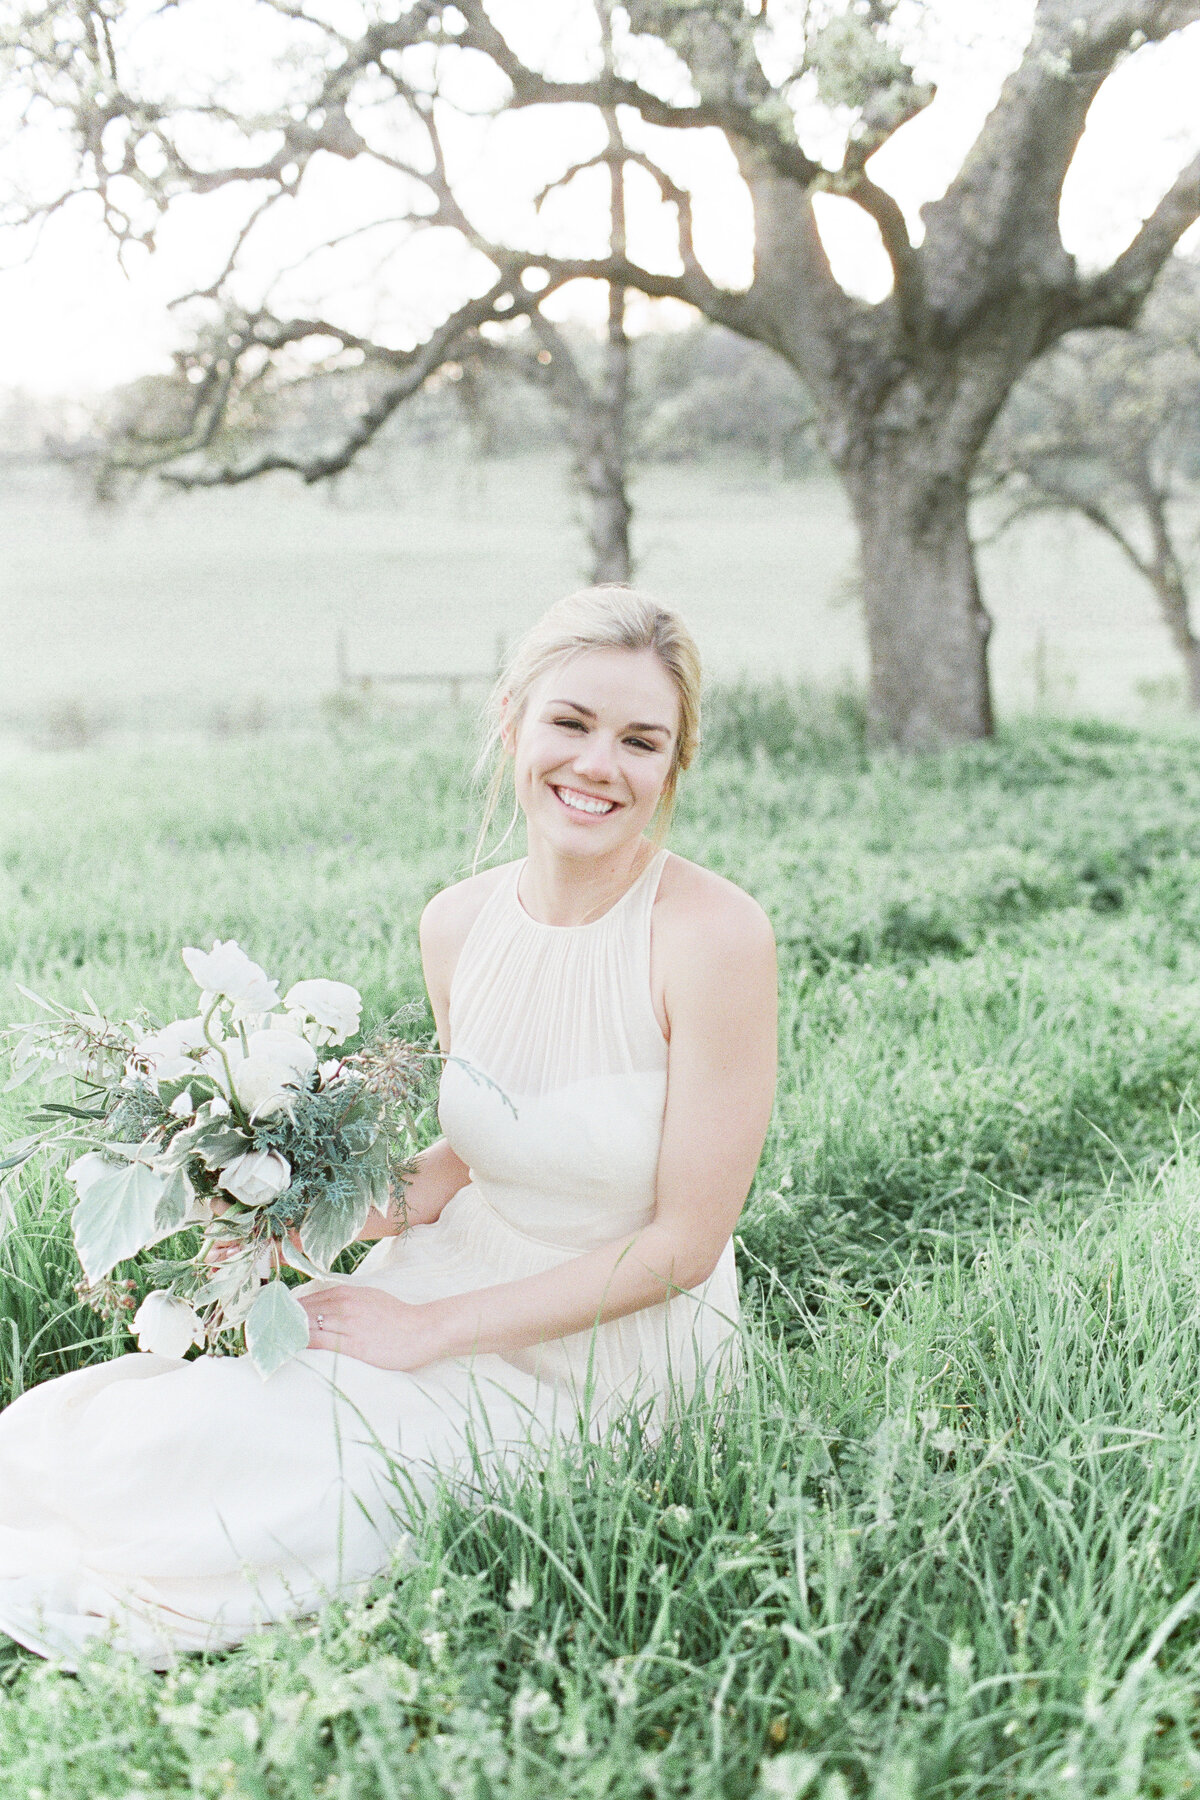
(906, 389)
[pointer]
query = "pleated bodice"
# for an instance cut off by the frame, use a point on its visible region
(555, 1090)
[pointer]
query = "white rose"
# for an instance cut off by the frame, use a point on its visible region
(334, 1007)
(226, 971)
(256, 1177)
(166, 1325)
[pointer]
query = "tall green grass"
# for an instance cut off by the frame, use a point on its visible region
(944, 1540)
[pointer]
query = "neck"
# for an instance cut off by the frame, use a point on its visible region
(572, 890)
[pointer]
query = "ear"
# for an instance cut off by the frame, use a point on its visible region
(508, 725)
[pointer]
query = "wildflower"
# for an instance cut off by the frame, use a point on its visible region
(676, 1521)
(520, 1596)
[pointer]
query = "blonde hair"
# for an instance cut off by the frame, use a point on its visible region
(595, 618)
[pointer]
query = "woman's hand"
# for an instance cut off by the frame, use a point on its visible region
(371, 1325)
(219, 1250)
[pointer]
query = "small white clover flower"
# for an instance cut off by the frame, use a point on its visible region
(520, 1596)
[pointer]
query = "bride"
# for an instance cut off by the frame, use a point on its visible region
(563, 1253)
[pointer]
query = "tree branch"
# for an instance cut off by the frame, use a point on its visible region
(412, 369)
(1115, 297)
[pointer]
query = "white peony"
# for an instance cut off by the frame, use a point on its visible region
(226, 971)
(278, 1064)
(166, 1325)
(333, 1006)
(284, 1047)
(256, 1177)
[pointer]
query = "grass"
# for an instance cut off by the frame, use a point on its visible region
(944, 1540)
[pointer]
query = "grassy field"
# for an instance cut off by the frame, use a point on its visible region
(211, 609)
(946, 1540)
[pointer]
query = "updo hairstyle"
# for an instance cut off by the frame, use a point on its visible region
(595, 618)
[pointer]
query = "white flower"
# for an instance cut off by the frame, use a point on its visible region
(166, 1325)
(226, 971)
(327, 1070)
(285, 1048)
(334, 1007)
(278, 1064)
(183, 1106)
(256, 1177)
(177, 1049)
(520, 1595)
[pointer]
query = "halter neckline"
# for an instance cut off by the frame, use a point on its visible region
(656, 862)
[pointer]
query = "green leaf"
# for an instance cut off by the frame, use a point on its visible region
(75, 1112)
(172, 1209)
(20, 1152)
(276, 1328)
(296, 1259)
(328, 1229)
(216, 1147)
(25, 1073)
(115, 1218)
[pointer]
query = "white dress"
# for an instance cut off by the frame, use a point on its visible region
(172, 1506)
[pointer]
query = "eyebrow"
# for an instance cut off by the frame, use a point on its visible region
(587, 712)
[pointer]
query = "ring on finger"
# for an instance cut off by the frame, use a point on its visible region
(320, 1321)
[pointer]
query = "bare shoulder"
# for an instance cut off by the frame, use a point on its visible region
(449, 916)
(704, 920)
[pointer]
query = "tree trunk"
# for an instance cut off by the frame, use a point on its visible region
(1166, 573)
(927, 628)
(601, 455)
(1172, 600)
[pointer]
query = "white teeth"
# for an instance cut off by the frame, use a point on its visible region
(581, 803)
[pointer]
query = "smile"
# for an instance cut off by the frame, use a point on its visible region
(583, 803)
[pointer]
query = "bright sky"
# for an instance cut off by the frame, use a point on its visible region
(72, 322)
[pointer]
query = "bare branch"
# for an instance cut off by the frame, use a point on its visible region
(1116, 296)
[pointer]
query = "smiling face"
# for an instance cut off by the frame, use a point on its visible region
(594, 748)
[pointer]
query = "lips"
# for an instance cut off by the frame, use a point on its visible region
(585, 806)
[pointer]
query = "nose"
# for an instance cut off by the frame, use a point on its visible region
(596, 759)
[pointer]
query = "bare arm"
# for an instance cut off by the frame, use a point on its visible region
(439, 1172)
(720, 986)
(438, 1177)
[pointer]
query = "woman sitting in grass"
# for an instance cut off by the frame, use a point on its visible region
(561, 1255)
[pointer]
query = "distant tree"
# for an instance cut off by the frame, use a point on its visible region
(707, 389)
(906, 390)
(1108, 426)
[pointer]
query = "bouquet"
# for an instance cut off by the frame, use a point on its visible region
(232, 1121)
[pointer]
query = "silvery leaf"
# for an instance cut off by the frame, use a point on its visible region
(276, 1328)
(115, 1217)
(173, 1208)
(328, 1229)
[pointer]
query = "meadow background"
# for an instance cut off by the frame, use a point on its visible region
(946, 1540)
(216, 610)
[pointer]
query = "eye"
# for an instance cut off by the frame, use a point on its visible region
(641, 744)
(572, 724)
